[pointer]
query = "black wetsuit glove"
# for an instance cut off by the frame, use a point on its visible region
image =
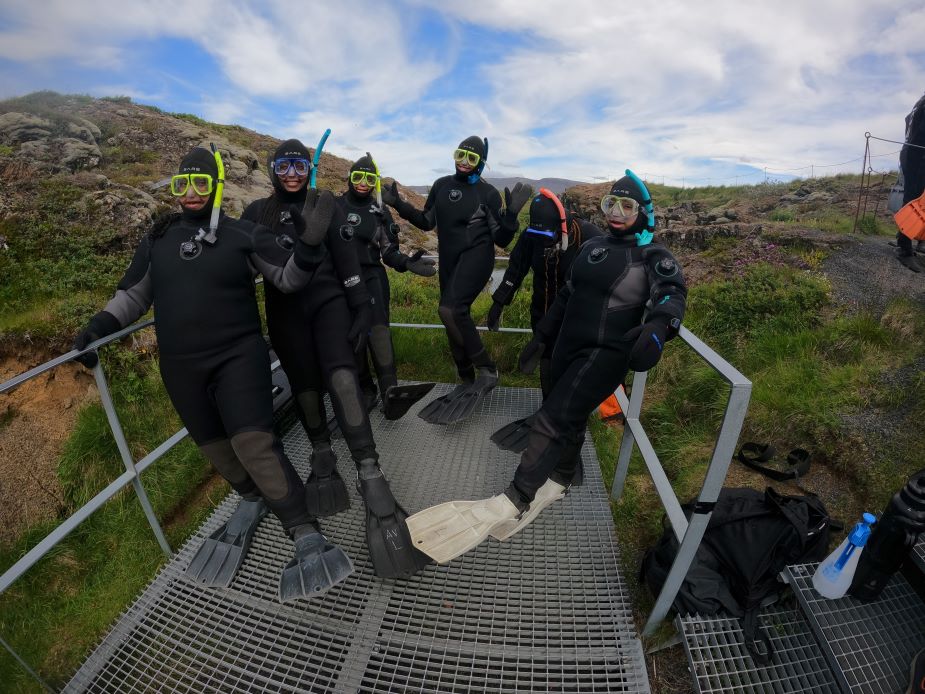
(494, 316)
(359, 328)
(390, 195)
(425, 267)
(530, 356)
(649, 342)
(311, 224)
(514, 200)
(102, 324)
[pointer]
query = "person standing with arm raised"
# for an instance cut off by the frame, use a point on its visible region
(470, 222)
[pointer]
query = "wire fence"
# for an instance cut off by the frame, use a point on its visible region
(768, 174)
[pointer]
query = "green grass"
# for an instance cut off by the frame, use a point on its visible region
(61, 607)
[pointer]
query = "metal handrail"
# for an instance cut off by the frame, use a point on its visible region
(688, 533)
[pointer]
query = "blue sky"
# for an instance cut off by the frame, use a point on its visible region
(709, 92)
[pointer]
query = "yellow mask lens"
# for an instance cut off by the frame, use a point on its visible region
(358, 177)
(464, 155)
(201, 183)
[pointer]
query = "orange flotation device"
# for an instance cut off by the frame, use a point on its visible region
(911, 219)
(610, 408)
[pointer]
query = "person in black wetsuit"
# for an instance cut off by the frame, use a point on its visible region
(470, 221)
(316, 333)
(624, 298)
(912, 162)
(547, 246)
(215, 363)
(376, 239)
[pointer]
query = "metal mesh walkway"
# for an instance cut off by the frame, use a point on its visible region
(869, 645)
(545, 612)
(720, 662)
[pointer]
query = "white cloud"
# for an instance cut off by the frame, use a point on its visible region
(578, 89)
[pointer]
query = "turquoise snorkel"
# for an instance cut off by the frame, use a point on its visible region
(643, 238)
(475, 175)
(317, 157)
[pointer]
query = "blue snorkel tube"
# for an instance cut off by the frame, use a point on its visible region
(317, 157)
(643, 238)
(474, 176)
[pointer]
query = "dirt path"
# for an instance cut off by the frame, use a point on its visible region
(35, 421)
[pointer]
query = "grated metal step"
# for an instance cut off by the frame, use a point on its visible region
(719, 661)
(545, 612)
(868, 645)
(918, 554)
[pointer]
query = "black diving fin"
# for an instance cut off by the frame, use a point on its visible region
(513, 437)
(390, 548)
(459, 403)
(325, 490)
(397, 400)
(317, 567)
(220, 556)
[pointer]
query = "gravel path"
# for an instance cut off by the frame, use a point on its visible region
(866, 274)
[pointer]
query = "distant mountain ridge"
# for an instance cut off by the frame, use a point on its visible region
(556, 185)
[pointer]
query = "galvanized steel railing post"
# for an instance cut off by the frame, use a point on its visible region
(127, 459)
(688, 532)
(631, 410)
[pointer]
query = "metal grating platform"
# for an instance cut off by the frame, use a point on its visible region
(545, 612)
(719, 661)
(918, 554)
(868, 645)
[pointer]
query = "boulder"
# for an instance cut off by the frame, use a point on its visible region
(77, 154)
(23, 127)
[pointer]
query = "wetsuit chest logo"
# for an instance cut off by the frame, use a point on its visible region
(285, 242)
(190, 250)
(455, 195)
(353, 219)
(285, 217)
(597, 255)
(346, 232)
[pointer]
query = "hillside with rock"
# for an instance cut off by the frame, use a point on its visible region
(115, 157)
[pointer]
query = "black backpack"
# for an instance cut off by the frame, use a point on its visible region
(749, 540)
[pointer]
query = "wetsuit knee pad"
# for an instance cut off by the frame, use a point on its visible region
(447, 316)
(311, 403)
(223, 458)
(262, 456)
(380, 339)
(345, 389)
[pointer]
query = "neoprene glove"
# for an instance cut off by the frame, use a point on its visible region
(311, 224)
(390, 195)
(514, 200)
(102, 324)
(649, 342)
(359, 328)
(494, 316)
(425, 267)
(530, 356)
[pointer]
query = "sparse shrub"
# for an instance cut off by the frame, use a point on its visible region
(781, 216)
